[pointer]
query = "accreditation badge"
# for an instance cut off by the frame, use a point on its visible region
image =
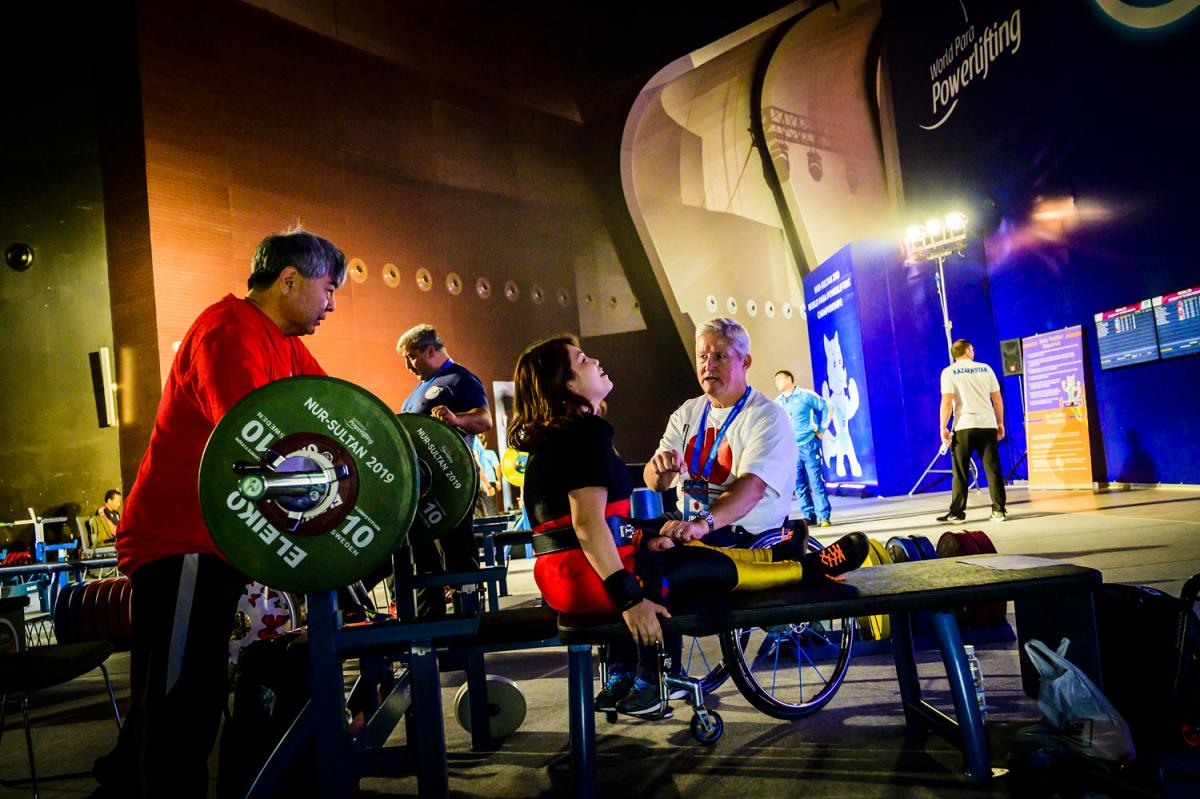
(695, 498)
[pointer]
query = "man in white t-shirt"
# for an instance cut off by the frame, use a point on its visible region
(730, 453)
(971, 391)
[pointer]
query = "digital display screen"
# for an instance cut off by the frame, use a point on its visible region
(1127, 335)
(1177, 317)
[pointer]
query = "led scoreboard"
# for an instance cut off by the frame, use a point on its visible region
(1177, 317)
(1127, 335)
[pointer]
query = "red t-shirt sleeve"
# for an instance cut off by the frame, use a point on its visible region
(228, 363)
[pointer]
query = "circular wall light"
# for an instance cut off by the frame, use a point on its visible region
(483, 288)
(786, 310)
(391, 275)
(357, 269)
(454, 283)
(537, 295)
(710, 302)
(511, 292)
(19, 256)
(564, 298)
(589, 300)
(731, 305)
(752, 307)
(769, 309)
(424, 279)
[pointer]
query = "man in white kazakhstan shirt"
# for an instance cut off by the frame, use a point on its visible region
(971, 391)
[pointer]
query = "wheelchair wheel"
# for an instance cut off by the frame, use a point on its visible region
(702, 657)
(793, 670)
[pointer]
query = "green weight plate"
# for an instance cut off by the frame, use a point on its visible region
(319, 542)
(449, 477)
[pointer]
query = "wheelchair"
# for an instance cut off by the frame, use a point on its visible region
(785, 671)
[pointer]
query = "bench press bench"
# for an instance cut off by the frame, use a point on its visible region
(1051, 601)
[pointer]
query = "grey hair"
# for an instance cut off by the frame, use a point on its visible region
(729, 329)
(419, 338)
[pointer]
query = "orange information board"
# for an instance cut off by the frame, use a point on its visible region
(1056, 416)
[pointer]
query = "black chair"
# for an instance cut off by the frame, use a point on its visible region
(46, 666)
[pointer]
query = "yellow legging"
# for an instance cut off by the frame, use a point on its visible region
(727, 569)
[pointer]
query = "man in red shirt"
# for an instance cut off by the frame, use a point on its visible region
(184, 592)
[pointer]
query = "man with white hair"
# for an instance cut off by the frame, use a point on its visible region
(730, 453)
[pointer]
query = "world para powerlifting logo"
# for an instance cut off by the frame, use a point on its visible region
(968, 60)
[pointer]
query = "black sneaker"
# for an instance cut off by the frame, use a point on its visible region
(616, 688)
(793, 547)
(844, 555)
(643, 700)
(953, 517)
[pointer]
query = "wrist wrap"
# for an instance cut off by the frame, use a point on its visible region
(623, 590)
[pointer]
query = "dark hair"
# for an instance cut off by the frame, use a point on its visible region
(790, 376)
(959, 348)
(312, 256)
(541, 399)
(110, 493)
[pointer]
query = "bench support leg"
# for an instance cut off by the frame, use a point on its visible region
(336, 770)
(583, 720)
(972, 736)
(477, 699)
(965, 730)
(429, 744)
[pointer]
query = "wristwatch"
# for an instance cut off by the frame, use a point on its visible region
(708, 519)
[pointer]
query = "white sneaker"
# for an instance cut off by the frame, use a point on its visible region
(999, 516)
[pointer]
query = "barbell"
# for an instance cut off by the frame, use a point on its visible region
(311, 483)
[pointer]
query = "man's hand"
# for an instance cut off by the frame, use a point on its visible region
(444, 414)
(659, 544)
(946, 436)
(1000, 431)
(489, 489)
(665, 463)
(642, 621)
(684, 531)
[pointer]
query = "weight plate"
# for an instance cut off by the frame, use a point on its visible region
(449, 478)
(100, 610)
(117, 613)
(71, 620)
(506, 707)
(87, 612)
(924, 547)
(262, 613)
(61, 602)
(127, 611)
(338, 534)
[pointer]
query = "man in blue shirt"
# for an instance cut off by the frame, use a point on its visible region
(450, 393)
(488, 502)
(809, 415)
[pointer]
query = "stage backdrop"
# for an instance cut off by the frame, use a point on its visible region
(1067, 136)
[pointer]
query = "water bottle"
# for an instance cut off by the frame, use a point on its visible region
(976, 678)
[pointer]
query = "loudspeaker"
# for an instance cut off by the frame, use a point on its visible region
(1010, 354)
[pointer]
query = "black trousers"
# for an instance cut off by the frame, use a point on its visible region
(966, 443)
(454, 552)
(183, 613)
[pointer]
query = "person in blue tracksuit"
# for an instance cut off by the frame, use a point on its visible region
(809, 415)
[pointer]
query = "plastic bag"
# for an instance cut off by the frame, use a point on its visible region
(1076, 709)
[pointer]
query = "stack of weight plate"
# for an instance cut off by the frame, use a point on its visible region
(94, 611)
(955, 544)
(907, 549)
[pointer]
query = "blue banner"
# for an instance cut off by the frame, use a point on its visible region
(839, 371)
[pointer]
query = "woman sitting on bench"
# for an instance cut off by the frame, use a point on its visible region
(577, 496)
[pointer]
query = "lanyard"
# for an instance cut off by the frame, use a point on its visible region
(424, 384)
(703, 432)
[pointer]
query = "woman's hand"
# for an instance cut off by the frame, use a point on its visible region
(642, 621)
(684, 531)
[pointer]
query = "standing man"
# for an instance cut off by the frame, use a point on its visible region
(185, 593)
(809, 415)
(488, 463)
(448, 392)
(730, 452)
(971, 391)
